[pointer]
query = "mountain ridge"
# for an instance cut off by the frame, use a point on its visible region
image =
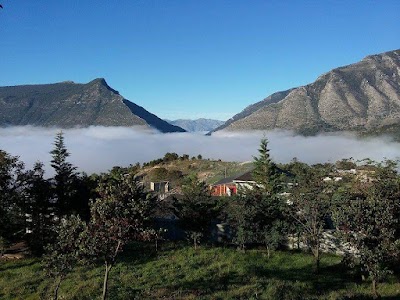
(67, 104)
(197, 125)
(363, 97)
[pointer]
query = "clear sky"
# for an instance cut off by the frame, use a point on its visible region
(190, 58)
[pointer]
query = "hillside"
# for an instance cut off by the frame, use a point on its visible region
(206, 273)
(362, 97)
(68, 104)
(198, 125)
(209, 171)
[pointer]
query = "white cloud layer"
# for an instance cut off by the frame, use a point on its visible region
(98, 149)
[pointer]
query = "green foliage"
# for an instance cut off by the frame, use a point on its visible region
(265, 172)
(11, 200)
(256, 217)
(38, 208)
(346, 164)
(184, 157)
(4, 244)
(63, 254)
(255, 214)
(121, 214)
(310, 205)
(118, 216)
(64, 177)
(367, 220)
(168, 157)
(195, 209)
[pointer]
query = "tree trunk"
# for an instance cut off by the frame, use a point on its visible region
(298, 240)
(374, 291)
(317, 259)
(58, 283)
(293, 241)
(268, 252)
(105, 283)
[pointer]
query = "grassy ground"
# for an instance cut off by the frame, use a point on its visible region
(206, 273)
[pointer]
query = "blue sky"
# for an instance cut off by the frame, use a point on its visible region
(190, 59)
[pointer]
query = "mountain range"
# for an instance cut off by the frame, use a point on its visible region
(198, 125)
(362, 97)
(68, 104)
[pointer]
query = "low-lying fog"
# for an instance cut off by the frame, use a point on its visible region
(97, 149)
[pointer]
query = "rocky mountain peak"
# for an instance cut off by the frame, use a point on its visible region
(68, 104)
(362, 97)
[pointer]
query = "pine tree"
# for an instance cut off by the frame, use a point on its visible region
(38, 207)
(266, 173)
(64, 177)
(11, 202)
(256, 213)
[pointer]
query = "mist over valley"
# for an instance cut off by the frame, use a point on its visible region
(97, 149)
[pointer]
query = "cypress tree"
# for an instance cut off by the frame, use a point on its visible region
(64, 177)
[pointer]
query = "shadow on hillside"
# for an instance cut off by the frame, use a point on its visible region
(300, 281)
(10, 265)
(138, 253)
(329, 278)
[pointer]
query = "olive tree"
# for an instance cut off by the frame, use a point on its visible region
(367, 219)
(121, 214)
(310, 206)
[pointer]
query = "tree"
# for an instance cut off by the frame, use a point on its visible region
(195, 209)
(39, 208)
(168, 157)
(310, 206)
(346, 164)
(269, 184)
(64, 177)
(266, 173)
(121, 214)
(256, 217)
(256, 214)
(11, 203)
(366, 219)
(65, 253)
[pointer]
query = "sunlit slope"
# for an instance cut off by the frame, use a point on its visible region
(362, 97)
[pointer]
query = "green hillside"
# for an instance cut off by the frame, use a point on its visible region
(208, 273)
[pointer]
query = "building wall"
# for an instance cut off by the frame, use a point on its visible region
(224, 190)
